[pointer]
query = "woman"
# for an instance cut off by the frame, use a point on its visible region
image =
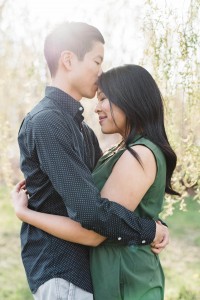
(136, 174)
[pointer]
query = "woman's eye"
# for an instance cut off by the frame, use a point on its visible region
(98, 63)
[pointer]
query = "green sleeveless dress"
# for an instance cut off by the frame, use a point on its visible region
(129, 272)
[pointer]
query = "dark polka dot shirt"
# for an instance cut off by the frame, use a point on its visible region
(58, 151)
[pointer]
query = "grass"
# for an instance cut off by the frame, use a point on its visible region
(12, 277)
(181, 259)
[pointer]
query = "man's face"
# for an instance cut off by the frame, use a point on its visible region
(85, 72)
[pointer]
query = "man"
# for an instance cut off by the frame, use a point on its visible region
(58, 152)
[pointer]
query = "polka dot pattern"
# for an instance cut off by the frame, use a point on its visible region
(58, 151)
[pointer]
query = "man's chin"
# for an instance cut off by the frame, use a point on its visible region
(91, 95)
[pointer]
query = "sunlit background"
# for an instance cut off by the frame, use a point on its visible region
(161, 35)
(120, 21)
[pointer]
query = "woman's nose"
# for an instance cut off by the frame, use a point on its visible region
(97, 108)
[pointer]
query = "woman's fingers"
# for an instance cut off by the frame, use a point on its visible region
(20, 185)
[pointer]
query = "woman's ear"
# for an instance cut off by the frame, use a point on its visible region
(66, 59)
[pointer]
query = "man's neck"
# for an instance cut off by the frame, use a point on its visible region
(60, 84)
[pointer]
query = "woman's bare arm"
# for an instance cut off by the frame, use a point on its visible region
(59, 226)
(126, 185)
(129, 180)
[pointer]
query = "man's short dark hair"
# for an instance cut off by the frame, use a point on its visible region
(77, 37)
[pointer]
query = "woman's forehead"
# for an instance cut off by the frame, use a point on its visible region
(99, 92)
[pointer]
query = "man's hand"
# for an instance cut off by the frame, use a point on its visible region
(19, 198)
(161, 239)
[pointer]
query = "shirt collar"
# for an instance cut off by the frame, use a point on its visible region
(65, 102)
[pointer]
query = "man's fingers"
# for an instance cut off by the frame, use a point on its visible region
(156, 250)
(163, 244)
(161, 239)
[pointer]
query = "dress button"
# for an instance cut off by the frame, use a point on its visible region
(119, 238)
(143, 242)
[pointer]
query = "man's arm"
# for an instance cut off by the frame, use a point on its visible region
(73, 181)
(59, 226)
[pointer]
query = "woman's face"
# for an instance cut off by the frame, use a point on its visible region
(111, 119)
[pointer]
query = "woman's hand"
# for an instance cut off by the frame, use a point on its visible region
(60, 226)
(19, 198)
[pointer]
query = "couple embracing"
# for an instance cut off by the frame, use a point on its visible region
(91, 227)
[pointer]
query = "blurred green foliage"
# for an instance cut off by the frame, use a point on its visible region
(180, 260)
(171, 52)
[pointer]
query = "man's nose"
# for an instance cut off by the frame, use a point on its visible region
(100, 71)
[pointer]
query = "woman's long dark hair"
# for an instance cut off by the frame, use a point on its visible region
(134, 91)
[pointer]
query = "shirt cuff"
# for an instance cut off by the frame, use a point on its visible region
(147, 234)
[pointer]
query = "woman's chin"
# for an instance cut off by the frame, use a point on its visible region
(105, 131)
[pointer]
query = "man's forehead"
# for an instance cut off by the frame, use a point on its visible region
(97, 50)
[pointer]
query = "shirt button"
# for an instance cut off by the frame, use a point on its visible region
(143, 242)
(119, 238)
(80, 108)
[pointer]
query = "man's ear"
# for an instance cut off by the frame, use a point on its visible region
(66, 58)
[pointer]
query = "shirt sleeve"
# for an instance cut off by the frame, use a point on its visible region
(52, 139)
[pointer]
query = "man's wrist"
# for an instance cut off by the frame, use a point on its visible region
(163, 223)
(149, 232)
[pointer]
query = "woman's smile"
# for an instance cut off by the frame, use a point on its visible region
(101, 119)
